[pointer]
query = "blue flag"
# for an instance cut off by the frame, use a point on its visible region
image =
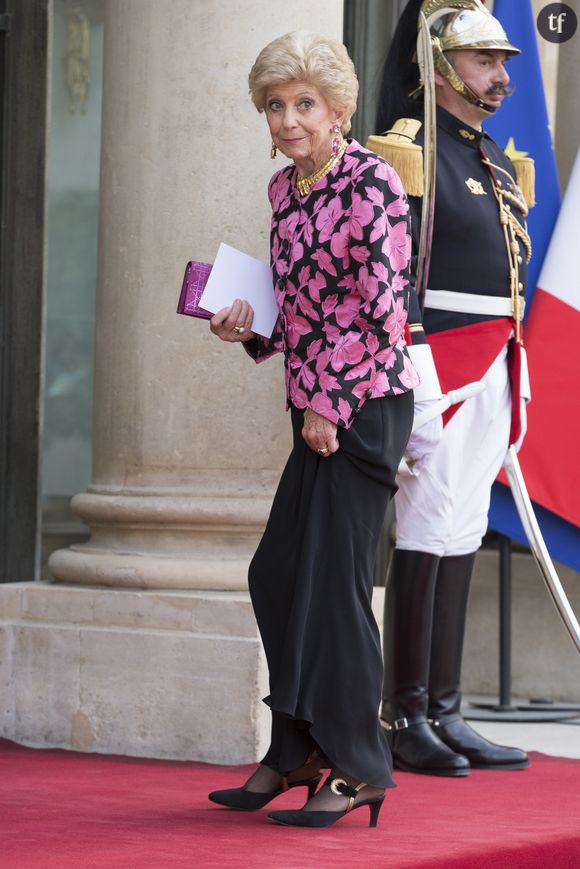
(521, 126)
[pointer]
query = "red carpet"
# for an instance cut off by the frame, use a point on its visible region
(60, 810)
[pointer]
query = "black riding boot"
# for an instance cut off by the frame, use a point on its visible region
(409, 600)
(449, 613)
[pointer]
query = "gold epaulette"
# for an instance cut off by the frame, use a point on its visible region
(526, 178)
(398, 148)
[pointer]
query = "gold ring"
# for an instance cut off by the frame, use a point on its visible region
(323, 450)
(239, 329)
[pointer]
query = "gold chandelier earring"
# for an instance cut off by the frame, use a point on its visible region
(273, 150)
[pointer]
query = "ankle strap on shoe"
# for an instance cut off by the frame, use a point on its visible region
(441, 720)
(397, 724)
(339, 787)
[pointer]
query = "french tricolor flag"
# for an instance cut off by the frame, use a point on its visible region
(550, 456)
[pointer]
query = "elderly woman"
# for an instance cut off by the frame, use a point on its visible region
(340, 252)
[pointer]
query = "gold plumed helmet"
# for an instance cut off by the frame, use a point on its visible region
(460, 24)
(465, 24)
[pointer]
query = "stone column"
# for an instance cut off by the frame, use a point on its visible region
(147, 643)
(189, 434)
(568, 110)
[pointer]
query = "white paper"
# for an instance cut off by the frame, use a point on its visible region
(235, 275)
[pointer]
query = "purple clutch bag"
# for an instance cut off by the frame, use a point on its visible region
(194, 281)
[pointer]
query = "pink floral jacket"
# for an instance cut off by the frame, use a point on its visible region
(340, 265)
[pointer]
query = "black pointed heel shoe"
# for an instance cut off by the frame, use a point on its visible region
(251, 801)
(338, 786)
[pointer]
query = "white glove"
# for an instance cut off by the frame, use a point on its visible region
(427, 432)
(524, 421)
(424, 439)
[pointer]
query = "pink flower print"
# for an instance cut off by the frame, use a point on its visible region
(348, 281)
(287, 226)
(287, 232)
(397, 246)
(387, 358)
(408, 376)
(313, 349)
(348, 310)
(305, 225)
(327, 219)
(307, 307)
(397, 207)
(296, 251)
(322, 360)
(381, 272)
(361, 215)
(315, 285)
(279, 261)
(379, 228)
(344, 410)
(384, 303)
(324, 260)
(399, 283)
(394, 182)
(349, 163)
(378, 383)
(290, 289)
(297, 396)
(360, 253)
(302, 371)
(279, 192)
(296, 326)
(348, 350)
(303, 276)
(373, 344)
(395, 322)
(364, 325)
(322, 404)
(341, 184)
(367, 285)
(382, 170)
(328, 382)
(275, 344)
(332, 334)
(279, 293)
(387, 173)
(376, 196)
(319, 204)
(339, 244)
(329, 304)
(377, 358)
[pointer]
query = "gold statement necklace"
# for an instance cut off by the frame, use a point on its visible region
(304, 185)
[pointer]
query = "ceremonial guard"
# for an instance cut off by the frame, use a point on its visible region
(469, 204)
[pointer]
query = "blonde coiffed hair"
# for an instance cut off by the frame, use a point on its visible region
(301, 56)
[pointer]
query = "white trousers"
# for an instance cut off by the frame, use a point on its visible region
(443, 510)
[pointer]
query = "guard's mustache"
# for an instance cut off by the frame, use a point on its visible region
(504, 89)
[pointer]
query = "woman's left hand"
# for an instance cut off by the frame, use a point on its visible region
(234, 323)
(319, 433)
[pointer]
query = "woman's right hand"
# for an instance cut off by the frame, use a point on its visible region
(234, 323)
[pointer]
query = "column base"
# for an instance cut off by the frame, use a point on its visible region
(79, 564)
(176, 675)
(169, 538)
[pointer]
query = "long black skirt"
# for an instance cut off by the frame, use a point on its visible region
(311, 583)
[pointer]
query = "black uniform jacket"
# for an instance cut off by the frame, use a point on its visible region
(469, 253)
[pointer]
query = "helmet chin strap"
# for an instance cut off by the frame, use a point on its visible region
(468, 94)
(448, 72)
